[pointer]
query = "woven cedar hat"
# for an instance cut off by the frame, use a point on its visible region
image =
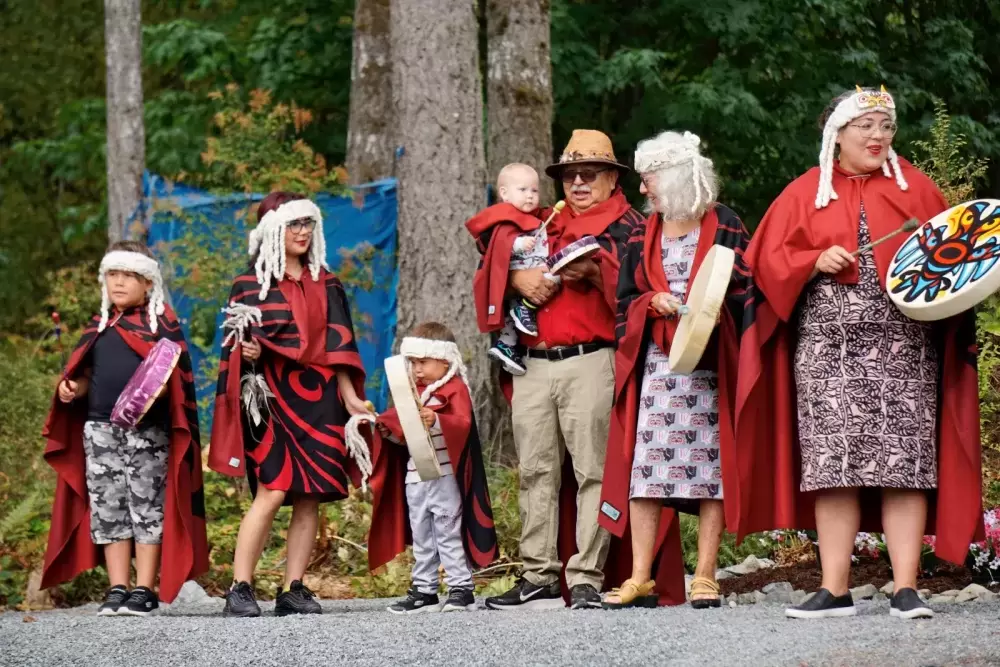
(586, 147)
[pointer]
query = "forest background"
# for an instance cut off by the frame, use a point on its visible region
(254, 95)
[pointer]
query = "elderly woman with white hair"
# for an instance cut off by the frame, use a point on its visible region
(289, 377)
(671, 435)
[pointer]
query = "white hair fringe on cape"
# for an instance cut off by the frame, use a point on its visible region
(673, 149)
(267, 242)
(443, 350)
(135, 262)
(859, 103)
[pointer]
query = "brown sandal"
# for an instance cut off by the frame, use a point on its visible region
(632, 595)
(707, 587)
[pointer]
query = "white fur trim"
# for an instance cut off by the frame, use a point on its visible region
(858, 104)
(134, 262)
(267, 242)
(443, 350)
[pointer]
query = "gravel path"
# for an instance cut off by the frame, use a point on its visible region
(361, 633)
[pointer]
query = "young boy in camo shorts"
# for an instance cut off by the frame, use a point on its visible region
(126, 469)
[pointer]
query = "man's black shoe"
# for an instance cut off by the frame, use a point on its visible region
(298, 599)
(528, 597)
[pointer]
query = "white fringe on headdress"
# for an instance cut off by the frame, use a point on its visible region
(267, 242)
(134, 262)
(672, 149)
(858, 104)
(443, 350)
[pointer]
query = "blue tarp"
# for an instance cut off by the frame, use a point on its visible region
(347, 224)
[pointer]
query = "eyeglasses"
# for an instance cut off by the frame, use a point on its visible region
(867, 129)
(302, 224)
(586, 175)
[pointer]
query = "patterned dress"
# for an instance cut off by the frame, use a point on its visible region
(677, 438)
(866, 378)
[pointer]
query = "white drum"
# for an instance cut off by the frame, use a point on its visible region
(706, 297)
(949, 264)
(407, 404)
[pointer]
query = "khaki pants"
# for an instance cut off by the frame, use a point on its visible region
(559, 406)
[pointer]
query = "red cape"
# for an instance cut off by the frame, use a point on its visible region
(390, 529)
(185, 545)
(495, 229)
(279, 334)
(782, 255)
(643, 278)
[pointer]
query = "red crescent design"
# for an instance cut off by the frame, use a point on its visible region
(345, 334)
(311, 395)
(481, 518)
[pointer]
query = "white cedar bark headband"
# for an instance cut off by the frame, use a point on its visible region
(858, 104)
(140, 264)
(267, 242)
(443, 350)
(653, 155)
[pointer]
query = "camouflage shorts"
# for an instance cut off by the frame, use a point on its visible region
(126, 482)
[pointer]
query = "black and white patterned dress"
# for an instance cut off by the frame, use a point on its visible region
(677, 435)
(866, 378)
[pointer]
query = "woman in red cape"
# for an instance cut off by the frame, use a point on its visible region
(671, 443)
(293, 364)
(852, 414)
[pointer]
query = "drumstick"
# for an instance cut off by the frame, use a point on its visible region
(57, 331)
(559, 206)
(908, 226)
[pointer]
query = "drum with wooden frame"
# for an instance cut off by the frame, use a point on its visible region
(704, 303)
(407, 404)
(579, 249)
(146, 384)
(949, 264)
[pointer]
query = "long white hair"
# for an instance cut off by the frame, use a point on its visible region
(684, 180)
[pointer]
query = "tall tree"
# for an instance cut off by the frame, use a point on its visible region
(442, 173)
(369, 130)
(126, 132)
(519, 86)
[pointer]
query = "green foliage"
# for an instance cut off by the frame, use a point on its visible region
(729, 552)
(946, 159)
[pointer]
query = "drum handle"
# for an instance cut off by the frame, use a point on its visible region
(908, 226)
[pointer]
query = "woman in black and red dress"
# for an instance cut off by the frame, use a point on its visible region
(291, 327)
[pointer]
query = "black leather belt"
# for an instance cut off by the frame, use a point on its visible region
(568, 352)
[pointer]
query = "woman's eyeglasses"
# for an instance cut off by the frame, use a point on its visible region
(302, 224)
(586, 175)
(867, 129)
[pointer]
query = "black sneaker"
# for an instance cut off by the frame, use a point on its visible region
(141, 602)
(584, 596)
(416, 603)
(460, 599)
(907, 604)
(524, 317)
(114, 600)
(241, 602)
(529, 597)
(298, 599)
(823, 605)
(512, 362)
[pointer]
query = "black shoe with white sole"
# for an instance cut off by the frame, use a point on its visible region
(114, 600)
(512, 362)
(907, 604)
(416, 603)
(460, 599)
(823, 604)
(584, 596)
(141, 602)
(526, 596)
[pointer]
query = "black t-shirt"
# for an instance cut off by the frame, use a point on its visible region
(113, 364)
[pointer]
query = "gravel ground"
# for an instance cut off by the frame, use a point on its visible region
(362, 633)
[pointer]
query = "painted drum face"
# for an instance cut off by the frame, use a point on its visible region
(949, 264)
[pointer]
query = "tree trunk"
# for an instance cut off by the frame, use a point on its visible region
(519, 87)
(370, 127)
(126, 132)
(442, 174)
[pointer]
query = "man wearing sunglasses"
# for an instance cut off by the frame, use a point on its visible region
(561, 406)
